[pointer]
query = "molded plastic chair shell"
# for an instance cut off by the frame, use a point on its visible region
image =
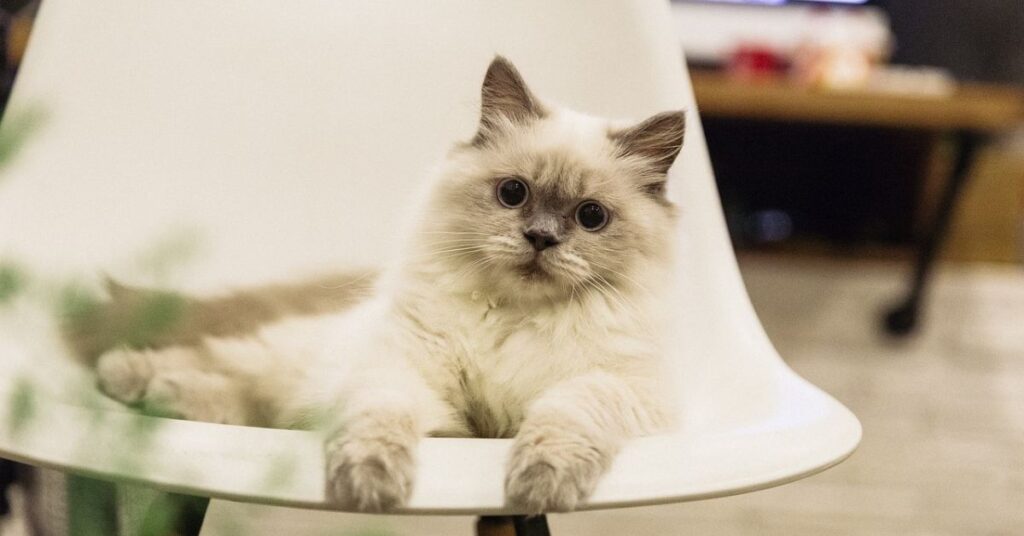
(286, 138)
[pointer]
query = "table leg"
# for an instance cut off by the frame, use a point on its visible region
(903, 318)
(512, 526)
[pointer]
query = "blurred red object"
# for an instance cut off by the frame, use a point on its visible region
(751, 62)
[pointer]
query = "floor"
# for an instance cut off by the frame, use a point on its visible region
(943, 414)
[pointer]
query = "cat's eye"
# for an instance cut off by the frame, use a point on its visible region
(513, 193)
(591, 216)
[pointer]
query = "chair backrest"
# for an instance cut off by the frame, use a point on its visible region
(288, 136)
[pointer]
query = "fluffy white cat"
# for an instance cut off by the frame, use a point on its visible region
(528, 305)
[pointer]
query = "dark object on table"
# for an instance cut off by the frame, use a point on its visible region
(14, 6)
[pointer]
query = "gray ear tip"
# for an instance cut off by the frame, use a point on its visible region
(678, 115)
(674, 120)
(500, 64)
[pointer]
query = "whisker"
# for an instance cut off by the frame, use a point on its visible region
(442, 254)
(622, 275)
(473, 269)
(367, 275)
(622, 302)
(455, 232)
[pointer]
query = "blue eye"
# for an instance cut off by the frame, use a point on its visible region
(513, 193)
(591, 216)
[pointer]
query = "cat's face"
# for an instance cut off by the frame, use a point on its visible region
(545, 203)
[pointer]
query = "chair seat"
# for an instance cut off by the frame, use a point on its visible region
(64, 424)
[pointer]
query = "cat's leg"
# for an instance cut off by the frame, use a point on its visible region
(371, 450)
(569, 437)
(176, 381)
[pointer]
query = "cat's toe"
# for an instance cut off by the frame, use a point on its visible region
(164, 398)
(124, 375)
(368, 476)
(539, 487)
(552, 470)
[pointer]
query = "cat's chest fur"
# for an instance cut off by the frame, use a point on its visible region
(497, 359)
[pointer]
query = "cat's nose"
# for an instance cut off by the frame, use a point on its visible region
(540, 240)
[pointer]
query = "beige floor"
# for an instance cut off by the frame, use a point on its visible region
(943, 414)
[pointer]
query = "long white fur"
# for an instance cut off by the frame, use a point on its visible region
(452, 345)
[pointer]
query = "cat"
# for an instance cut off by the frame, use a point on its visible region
(528, 303)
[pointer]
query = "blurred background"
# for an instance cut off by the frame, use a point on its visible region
(870, 159)
(856, 144)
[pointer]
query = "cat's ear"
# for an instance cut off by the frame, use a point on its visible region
(656, 140)
(505, 99)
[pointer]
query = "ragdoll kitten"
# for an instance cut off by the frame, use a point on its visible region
(528, 305)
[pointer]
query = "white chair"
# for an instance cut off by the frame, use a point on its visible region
(284, 138)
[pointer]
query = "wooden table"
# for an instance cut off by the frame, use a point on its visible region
(973, 107)
(969, 115)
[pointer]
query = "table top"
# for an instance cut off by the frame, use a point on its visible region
(971, 107)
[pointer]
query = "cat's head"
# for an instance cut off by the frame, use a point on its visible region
(545, 202)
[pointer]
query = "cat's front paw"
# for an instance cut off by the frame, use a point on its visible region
(549, 474)
(124, 375)
(369, 474)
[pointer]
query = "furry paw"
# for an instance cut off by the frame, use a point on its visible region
(369, 474)
(539, 487)
(551, 476)
(132, 378)
(124, 375)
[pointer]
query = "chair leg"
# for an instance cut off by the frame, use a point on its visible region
(512, 526)
(531, 526)
(7, 477)
(903, 318)
(495, 526)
